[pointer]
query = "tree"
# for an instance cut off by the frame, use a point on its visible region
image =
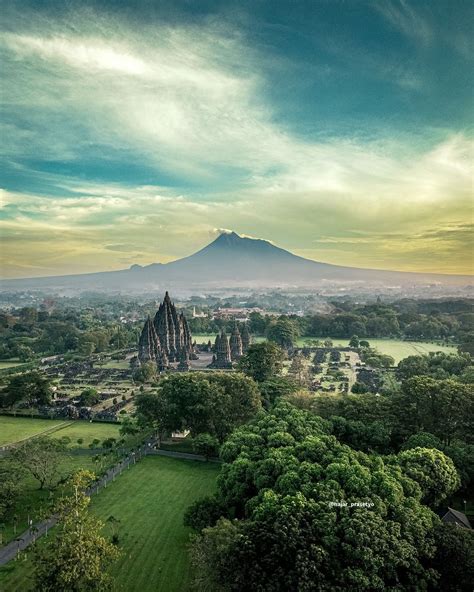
(444, 408)
(274, 388)
(77, 558)
(11, 474)
(31, 387)
(42, 458)
(89, 397)
(454, 559)
(433, 471)
(284, 332)
(147, 372)
(354, 341)
(359, 388)
(202, 402)
(299, 370)
(129, 427)
(297, 510)
(262, 361)
(206, 445)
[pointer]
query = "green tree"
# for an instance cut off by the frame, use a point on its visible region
(444, 408)
(77, 558)
(433, 471)
(301, 511)
(354, 341)
(146, 373)
(202, 402)
(11, 474)
(32, 387)
(275, 388)
(89, 397)
(42, 458)
(206, 445)
(262, 361)
(283, 332)
(454, 559)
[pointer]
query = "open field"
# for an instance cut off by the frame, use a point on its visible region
(13, 429)
(88, 431)
(397, 348)
(9, 363)
(149, 500)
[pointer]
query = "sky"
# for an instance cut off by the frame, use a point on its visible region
(136, 132)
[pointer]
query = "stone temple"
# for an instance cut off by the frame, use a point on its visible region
(166, 338)
(230, 350)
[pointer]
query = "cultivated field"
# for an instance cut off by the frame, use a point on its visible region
(397, 348)
(149, 500)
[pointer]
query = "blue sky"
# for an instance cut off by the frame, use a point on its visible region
(133, 132)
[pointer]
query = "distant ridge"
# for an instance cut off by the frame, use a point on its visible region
(232, 260)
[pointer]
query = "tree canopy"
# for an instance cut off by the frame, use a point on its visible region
(262, 361)
(301, 511)
(213, 403)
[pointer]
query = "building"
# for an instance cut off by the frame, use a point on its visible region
(227, 351)
(167, 338)
(456, 517)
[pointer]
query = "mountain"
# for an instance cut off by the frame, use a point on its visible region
(233, 261)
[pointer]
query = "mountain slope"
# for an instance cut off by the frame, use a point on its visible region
(231, 261)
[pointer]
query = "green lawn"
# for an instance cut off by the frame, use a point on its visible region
(397, 348)
(88, 432)
(13, 429)
(149, 500)
(10, 363)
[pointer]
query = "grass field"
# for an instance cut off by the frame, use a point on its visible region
(149, 500)
(397, 348)
(88, 432)
(13, 429)
(9, 363)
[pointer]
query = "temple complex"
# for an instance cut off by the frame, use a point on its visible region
(227, 351)
(167, 338)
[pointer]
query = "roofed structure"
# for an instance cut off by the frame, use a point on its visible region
(456, 517)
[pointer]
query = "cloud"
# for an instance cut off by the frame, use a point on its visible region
(403, 16)
(190, 103)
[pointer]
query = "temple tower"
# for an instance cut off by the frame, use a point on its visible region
(148, 344)
(173, 332)
(235, 344)
(222, 352)
(246, 339)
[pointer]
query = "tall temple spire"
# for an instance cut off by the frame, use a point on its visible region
(246, 339)
(235, 343)
(173, 332)
(148, 344)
